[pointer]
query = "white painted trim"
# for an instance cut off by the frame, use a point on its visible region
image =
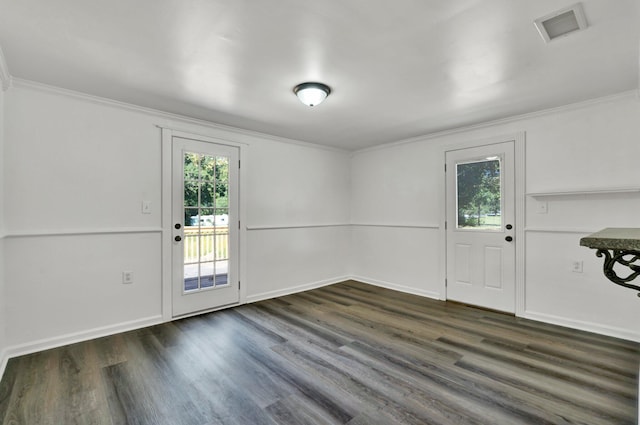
(580, 192)
(582, 325)
(82, 232)
(519, 141)
(32, 85)
(295, 289)
(315, 226)
(168, 135)
(635, 93)
(72, 338)
(243, 202)
(294, 226)
(399, 226)
(559, 230)
(442, 231)
(205, 311)
(4, 359)
(165, 194)
(397, 287)
(486, 141)
(209, 138)
(5, 75)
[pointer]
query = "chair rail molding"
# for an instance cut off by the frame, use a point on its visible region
(5, 76)
(81, 232)
(586, 191)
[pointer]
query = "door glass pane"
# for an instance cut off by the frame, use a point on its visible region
(191, 217)
(207, 240)
(222, 219)
(222, 198)
(208, 168)
(207, 275)
(207, 194)
(190, 193)
(191, 166)
(221, 272)
(222, 168)
(206, 221)
(479, 195)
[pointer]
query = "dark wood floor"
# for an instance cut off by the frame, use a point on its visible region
(345, 354)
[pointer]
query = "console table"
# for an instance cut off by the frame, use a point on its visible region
(617, 246)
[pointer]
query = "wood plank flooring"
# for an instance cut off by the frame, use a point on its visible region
(344, 354)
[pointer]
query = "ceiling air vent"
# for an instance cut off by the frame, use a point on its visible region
(561, 23)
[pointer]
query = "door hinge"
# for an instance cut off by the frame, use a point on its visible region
(446, 282)
(238, 285)
(445, 167)
(445, 225)
(238, 163)
(238, 224)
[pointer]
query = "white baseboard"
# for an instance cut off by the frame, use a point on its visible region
(583, 326)
(295, 289)
(396, 287)
(72, 338)
(44, 344)
(4, 358)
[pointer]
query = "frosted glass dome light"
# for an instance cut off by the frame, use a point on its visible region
(312, 94)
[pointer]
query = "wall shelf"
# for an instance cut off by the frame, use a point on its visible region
(580, 192)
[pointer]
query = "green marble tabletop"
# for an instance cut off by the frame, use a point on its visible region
(627, 239)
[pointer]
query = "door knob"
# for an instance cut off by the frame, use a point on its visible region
(177, 239)
(508, 239)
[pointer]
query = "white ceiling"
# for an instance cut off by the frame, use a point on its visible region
(398, 68)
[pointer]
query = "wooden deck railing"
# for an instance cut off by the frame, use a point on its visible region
(206, 244)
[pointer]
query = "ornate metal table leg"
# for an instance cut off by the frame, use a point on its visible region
(618, 256)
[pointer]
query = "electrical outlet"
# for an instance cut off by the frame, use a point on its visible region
(542, 207)
(127, 277)
(576, 266)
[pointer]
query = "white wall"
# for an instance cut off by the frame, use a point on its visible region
(3, 304)
(78, 172)
(297, 217)
(79, 169)
(588, 146)
(394, 209)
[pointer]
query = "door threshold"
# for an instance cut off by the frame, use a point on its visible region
(479, 307)
(205, 311)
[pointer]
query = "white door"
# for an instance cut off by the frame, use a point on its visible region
(205, 226)
(480, 184)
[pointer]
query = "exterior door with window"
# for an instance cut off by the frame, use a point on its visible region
(205, 226)
(480, 185)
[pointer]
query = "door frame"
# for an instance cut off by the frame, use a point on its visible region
(519, 144)
(167, 230)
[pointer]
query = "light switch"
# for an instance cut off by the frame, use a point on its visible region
(146, 207)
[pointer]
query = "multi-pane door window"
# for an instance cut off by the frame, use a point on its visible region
(206, 221)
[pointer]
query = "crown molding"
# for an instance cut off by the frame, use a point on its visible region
(8, 81)
(5, 76)
(182, 119)
(629, 94)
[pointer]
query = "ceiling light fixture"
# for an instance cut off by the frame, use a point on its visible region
(312, 94)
